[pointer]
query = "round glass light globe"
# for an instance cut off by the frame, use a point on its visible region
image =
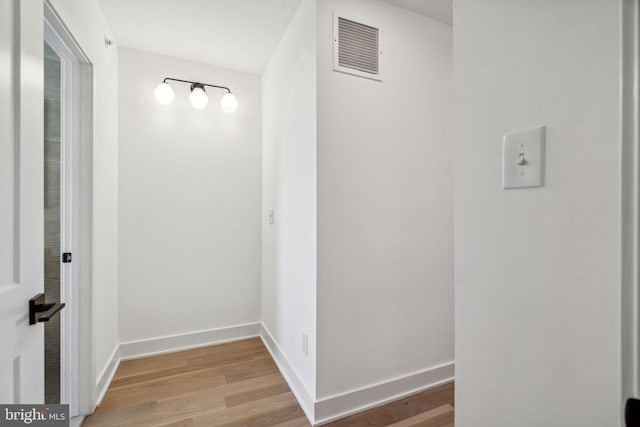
(164, 94)
(198, 98)
(229, 103)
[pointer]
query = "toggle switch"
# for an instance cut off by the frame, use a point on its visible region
(523, 159)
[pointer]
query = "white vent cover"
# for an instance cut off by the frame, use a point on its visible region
(356, 48)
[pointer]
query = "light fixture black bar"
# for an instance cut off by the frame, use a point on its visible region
(197, 83)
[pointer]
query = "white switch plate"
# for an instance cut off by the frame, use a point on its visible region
(523, 159)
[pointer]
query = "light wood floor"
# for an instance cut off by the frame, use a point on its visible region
(236, 384)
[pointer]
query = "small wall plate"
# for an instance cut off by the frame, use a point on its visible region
(523, 159)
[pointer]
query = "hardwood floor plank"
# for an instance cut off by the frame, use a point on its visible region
(216, 361)
(242, 372)
(150, 376)
(114, 417)
(156, 364)
(152, 414)
(182, 423)
(246, 411)
(276, 416)
(227, 358)
(256, 394)
(147, 364)
(297, 422)
(162, 388)
(418, 420)
(437, 421)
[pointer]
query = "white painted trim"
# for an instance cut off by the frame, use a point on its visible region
(630, 191)
(172, 343)
(69, 334)
(345, 404)
(106, 376)
(78, 362)
(289, 373)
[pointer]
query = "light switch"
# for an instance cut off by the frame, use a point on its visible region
(523, 159)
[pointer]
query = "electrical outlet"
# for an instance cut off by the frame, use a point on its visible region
(305, 344)
(271, 217)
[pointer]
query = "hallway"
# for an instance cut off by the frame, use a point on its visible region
(320, 212)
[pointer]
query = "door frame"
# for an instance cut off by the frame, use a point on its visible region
(630, 208)
(78, 362)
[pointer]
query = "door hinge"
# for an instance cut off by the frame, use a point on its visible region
(66, 257)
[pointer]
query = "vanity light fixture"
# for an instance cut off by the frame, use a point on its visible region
(164, 95)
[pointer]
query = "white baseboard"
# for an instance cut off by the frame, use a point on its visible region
(345, 404)
(172, 343)
(289, 373)
(105, 378)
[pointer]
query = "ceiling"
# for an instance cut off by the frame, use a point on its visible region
(440, 10)
(237, 34)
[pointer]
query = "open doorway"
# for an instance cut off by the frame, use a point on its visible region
(69, 365)
(54, 162)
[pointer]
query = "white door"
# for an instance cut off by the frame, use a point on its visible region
(21, 199)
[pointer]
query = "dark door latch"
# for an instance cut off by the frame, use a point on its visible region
(39, 311)
(632, 413)
(66, 257)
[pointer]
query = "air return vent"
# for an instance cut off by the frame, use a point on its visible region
(356, 48)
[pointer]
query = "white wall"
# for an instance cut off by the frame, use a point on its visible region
(538, 270)
(289, 187)
(385, 203)
(189, 201)
(86, 22)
